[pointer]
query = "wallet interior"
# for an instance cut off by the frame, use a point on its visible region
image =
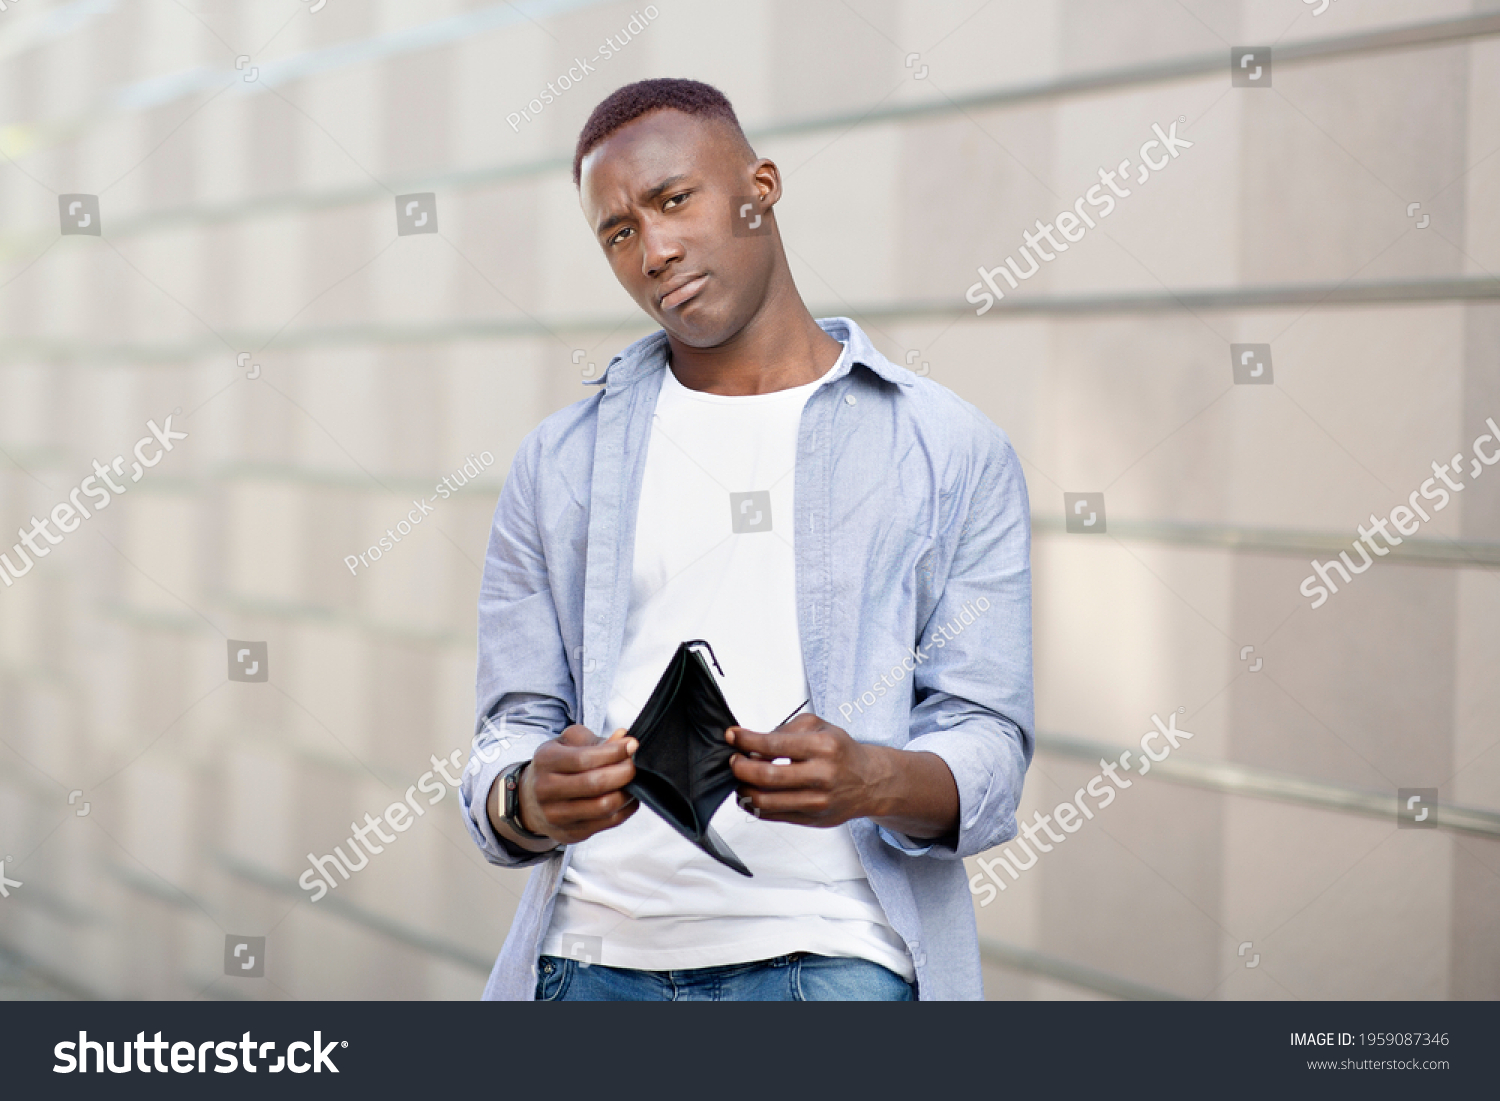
(682, 763)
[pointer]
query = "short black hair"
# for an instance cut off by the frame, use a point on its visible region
(630, 102)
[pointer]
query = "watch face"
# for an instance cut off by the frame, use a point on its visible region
(512, 798)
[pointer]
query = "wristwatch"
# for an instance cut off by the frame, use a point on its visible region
(510, 812)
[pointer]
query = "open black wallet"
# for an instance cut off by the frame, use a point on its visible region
(682, 760)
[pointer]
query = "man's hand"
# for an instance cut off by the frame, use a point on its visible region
(829, 778)
(573, 788)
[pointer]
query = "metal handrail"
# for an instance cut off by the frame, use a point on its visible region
(389, 927)
(1234, 779)
(1015, 958)
(21, 349)
(1435, 33)
(1282, 541)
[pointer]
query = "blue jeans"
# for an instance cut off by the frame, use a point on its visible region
(800, 977)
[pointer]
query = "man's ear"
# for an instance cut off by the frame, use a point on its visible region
(765, 181)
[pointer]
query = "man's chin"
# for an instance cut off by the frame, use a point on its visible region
(698, 328)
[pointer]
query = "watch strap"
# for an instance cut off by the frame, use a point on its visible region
(510, 781)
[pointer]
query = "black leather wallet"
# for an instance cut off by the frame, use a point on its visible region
(682, 760)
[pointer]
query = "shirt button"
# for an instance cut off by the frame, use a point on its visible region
(850, 399)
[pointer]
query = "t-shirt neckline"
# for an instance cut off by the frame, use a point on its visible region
(672, 382)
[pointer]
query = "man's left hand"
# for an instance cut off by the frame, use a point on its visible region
(827, 778)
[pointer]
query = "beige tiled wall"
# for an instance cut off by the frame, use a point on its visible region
(259, 218)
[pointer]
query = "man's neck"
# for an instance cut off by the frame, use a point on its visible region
(777, 350)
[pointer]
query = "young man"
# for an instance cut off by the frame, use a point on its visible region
(839, 531)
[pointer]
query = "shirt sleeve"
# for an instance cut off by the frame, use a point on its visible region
(524, 689)
(973, 681)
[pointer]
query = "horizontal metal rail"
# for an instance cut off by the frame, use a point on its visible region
(1214, 775)
(1441, 32)
(352, 912)
(1205, 300)
(996, 952)
(1446, 553)
(1015, 958)
(36, 974)
(366, 626)
(34, 980)
(1233, 779)
(356, 914)
(564, 330)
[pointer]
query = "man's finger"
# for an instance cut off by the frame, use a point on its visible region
(619, 816)
(773, 777)
(558, 785)
(560, 757)
(804, 807)
(776, 743)
(578, 813)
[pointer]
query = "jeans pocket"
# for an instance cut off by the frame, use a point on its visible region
(553, 977)
(840, 978)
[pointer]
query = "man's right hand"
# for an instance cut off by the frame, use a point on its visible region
(574, 786)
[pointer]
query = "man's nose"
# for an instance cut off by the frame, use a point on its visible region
(658, 249)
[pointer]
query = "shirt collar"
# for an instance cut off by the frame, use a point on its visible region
(650, 354)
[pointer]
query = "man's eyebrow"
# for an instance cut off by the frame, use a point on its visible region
(654, 193)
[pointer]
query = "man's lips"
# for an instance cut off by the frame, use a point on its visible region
(678, 296)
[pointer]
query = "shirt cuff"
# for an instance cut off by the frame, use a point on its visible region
(493, 844)
(903, 843)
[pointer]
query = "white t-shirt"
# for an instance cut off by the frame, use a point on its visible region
(713, 560)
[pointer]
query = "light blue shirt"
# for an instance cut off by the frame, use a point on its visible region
(912, 544)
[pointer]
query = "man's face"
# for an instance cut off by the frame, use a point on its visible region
(660, 194)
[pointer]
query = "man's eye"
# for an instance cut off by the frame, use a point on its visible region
(674, 200)
(620, 236)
